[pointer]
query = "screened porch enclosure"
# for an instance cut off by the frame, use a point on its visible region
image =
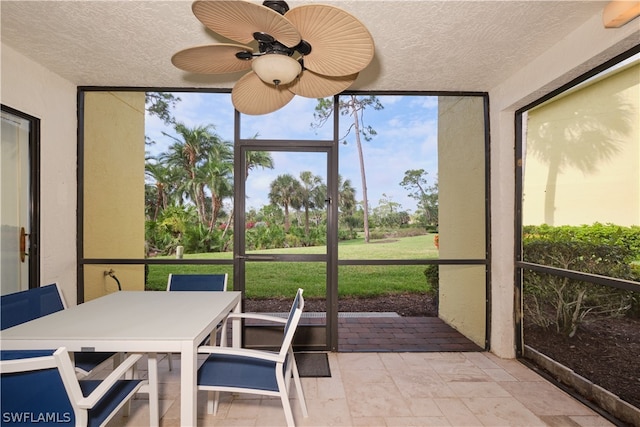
(323, 249)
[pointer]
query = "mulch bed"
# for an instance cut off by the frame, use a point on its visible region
(406, 305)
(605, 351)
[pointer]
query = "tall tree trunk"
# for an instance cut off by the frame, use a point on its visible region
(159, 200)
(228, 224)
(365, 202)
(287, 223)
(201, 205)
(198, 197)
(216, 205)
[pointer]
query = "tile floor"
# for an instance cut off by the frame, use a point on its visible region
(394, 389)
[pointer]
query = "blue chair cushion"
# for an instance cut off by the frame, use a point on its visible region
(34, 397)
(23, 306)
(24, 354)
(111, 399)
(39, 397)
(238, 372)
(87, 361)
(197, 282)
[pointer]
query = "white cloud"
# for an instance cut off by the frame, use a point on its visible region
(406, 139)
(293, 121)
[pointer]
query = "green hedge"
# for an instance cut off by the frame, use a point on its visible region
(602, 234)
(608, 250)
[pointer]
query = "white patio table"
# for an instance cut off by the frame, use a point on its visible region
(135, 322)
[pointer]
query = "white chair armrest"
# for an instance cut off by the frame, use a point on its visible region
(109, 381)
(257, 316)
(27, 364)
(244, 352)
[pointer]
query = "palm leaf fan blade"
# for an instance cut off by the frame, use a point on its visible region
(340, 43)
(252, 96)
(238, 20)
(212, 59)
(312, 85)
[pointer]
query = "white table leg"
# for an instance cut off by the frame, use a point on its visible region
(236, 339)
(154, 406)
(188, 385)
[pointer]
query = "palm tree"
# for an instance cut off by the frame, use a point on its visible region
(187, 155)
(346, 196)
(308, 194)
(159, 174)
(285, 190)
(220, 175)
(257, 159)
(354, 106)
(320, 200)
(254, 159)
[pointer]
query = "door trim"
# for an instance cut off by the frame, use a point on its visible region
(34, 194)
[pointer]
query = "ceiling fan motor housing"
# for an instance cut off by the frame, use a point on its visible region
(279, 6)
(268, 44)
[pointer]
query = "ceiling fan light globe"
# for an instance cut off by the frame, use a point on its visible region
(276, 69)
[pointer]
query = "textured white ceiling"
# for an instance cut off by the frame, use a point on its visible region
(420, 45)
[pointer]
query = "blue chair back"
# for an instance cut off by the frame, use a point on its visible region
(23, 306)
(197, 282)
(297, 303)
(34, 397)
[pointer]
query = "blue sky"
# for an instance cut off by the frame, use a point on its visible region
(406, 139)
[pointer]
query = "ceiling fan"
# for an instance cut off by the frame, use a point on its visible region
(312, 50)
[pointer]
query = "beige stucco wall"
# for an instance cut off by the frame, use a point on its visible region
(461, 213)
(586, 47)
(113, 189)
(34, 90)
(597, 177)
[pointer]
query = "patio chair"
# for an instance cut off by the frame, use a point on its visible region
(238, 370)
(41, 387)
(23, 306)
(198, 282)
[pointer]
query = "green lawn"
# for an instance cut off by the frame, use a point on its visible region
(275, 279)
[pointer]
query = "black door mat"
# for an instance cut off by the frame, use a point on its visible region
(313, 364)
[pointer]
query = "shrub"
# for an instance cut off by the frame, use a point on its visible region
(264, 236)
(199, 239)
(395, 233)
(433, 280)
(565, 303)
(292, 241)
(634, 311)
(347, 234)
(377, 235)
(431, 228)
